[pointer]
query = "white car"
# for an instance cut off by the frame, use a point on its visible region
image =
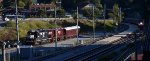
(6, 19)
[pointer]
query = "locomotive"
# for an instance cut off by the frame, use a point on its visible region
(40, 36)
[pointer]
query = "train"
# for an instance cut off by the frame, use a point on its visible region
(40, 36)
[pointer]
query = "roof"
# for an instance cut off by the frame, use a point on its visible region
(1, 1)
(72, 27)
(85, 4)
(43, 6)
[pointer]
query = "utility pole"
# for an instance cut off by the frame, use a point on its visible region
(17, 29)
(55, 29)
(77, 24)
(104, 19)
(3, 51)
(93, 24)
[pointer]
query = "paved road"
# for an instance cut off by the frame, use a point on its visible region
(2, 24)
(61, 57)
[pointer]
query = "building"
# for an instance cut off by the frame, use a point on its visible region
(85, 5)
(1, 1)
(48, 7)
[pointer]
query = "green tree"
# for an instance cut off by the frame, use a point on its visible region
(115, 14)
(97, 4)
(88, 12)
(41, 13)
(21, 4)
(61, 13)
(28, 4)
(1, 7)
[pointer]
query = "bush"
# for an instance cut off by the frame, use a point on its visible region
(7, 34)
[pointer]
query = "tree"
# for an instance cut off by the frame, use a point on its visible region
(116, 14)
(1, 7)
(61, 13)
(28, 4)
(97, 4)
(21, 4)
(6, 3)
(41, 13)
(88, 12)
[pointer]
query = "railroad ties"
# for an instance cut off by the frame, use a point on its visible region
(111, 43)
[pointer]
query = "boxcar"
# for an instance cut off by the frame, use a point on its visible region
(51, 35)
(71, 31)
(60, 34)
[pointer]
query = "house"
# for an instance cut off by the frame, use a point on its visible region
(89, 5)
(85, 5)
(47, 7)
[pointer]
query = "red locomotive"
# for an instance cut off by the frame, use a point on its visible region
(40, 36)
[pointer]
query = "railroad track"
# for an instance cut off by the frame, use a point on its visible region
(106, 51)
(109, 49)
(124, 54)
(97, 51)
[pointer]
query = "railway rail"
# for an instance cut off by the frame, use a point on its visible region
(97, 51)
(94, 53)
(127, 52)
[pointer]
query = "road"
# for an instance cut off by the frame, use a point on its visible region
(2, 24)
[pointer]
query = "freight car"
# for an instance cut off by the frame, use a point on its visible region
(41, 36)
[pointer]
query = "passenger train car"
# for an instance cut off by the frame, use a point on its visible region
(41, 36)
